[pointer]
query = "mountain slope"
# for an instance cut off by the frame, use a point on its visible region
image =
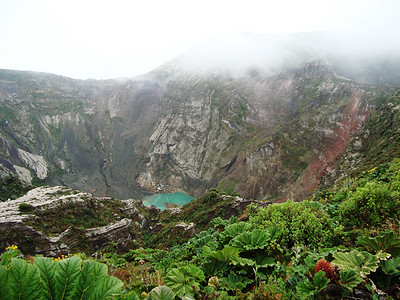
(262, 134)
(79, 133)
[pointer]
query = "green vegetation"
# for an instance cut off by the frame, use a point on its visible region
(12, 188)
(378, 141)
(45, 278)
(87, 214)
(341, 241)
(298, 223)
(25, 207)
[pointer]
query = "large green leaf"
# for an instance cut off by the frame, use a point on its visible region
(204, 238)
(67, 277)
(392, 266)
(176, 280)
(213, 267)
(161, 293)
(92, 276)
(235, 282)
(23, 280)
(361, 262)
(256, 239)
(386, 242)
(47, 268)
(262, 260)
(320, 281)
(241, 261)
(4, 292)
(233, 230)
(158, 256)
(132, 296)
(106, 288)
(350, 279)
(116, 261)
(48, 279)
(181, 279)
(306, 289)
(224, 255)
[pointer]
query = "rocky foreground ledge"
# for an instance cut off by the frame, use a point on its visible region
(54, 220)
(58, 220)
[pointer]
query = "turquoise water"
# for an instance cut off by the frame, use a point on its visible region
(160, 200)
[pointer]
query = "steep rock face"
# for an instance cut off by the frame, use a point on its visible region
(79, 133)
(375, 144)
(262, 135)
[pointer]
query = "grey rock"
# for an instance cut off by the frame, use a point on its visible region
(236, 208)
(14, 227)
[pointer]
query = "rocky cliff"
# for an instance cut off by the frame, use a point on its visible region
(84, 134)
(53, 220)
(262, 134)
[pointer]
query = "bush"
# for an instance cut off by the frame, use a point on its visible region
(297, 222)
(25, 207)
(369, 205)
(12, 188)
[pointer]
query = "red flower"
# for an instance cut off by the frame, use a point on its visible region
(330, 270)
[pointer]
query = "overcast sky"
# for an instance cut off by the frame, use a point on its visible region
(109, 39)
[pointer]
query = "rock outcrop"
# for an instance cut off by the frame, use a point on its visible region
(54, 220)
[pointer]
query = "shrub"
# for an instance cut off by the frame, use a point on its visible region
(25, 207)
(297, 223)
(369, 205)
(12, 188)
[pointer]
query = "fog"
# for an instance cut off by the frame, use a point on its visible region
(350, 52)
(102, 39)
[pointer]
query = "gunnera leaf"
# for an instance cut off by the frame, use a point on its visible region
(350, 279)
(361, 262)
(320, 281)
(92, 275)
(392, 266)
(67, 277)
(386, 242)
(23, 280)
(256, 239)
(161, 293)
(306, 288)
(107, 287)
(262, 260)
(222, 223)
(4, 292)
(47, 268)
(213, 267)
(5, 258)
(233, 230)
(234, 282)
(132, 296)
(182, 279)
(224, 255)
